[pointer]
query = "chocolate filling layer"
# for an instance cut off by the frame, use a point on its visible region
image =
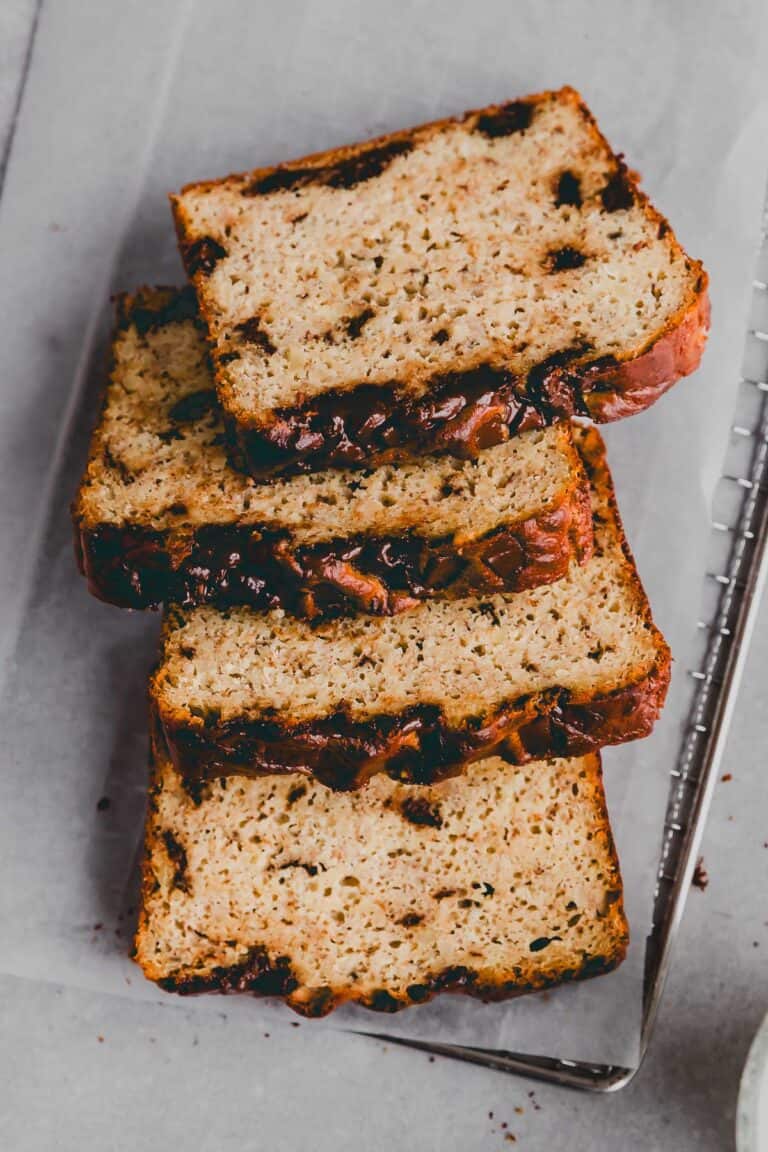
(418, 746)
(137, 567)
(257, 976)
(462, 414)
(466, 412)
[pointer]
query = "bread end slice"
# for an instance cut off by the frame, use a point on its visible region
(500, 882)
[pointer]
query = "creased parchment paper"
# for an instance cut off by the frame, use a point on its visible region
(127, 102)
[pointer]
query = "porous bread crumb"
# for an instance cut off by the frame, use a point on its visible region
(345, 898)
(589, 633)
(471, 244)
(158, 460)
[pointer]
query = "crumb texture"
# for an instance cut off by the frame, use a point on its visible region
(507, 882)
(589, 634)
(499, 240)
(159, 459)
(161, 515)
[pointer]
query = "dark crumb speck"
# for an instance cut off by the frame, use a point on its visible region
(203, 255)
(617, 193)
(542, 942)
(726, 777)
(98, 927)
(568, 190)
(100, 1039)
(310, 869)
(194, 406)
(355, 324)
(295, 1024)
(252, 331)
(296, 793)
(431, 1059)
(103, 804)
(505, 120)
(700, 878)
(418, 810)
(565, 258)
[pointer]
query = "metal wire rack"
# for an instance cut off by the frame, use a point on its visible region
(737, 584)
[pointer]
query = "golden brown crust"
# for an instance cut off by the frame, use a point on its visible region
(263, 974)
(463, 412)
(630, 387)
(138, 567)
(419, 746)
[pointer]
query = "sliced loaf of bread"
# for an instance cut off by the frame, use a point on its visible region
(558, 670)
(160, 515)
(495, 883)
(438, 289)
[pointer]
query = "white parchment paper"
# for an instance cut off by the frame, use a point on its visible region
(127, 102)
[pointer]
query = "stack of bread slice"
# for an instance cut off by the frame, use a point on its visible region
(354, 460)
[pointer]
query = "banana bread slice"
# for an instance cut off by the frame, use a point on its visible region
(558, 670)
(498, 882)
(438, 289)
(160, 514)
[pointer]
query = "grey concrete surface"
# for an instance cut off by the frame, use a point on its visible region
(81, 1072)
(17, 18)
